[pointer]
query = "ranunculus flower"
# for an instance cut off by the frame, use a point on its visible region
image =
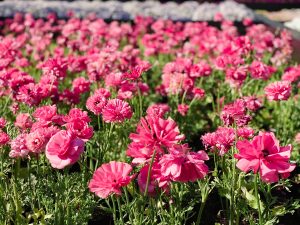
(2, 122)
(116, 111)
(183, 109)
(45, 113)
(109, 178)
(235, 113)
(18, 147)
(182, 165)
(23, 121)
(81, 129)
(222, 139)
(158, 109)
(155, 131)
(245, 132)
(64, 149)
(75, 114)
(279, 90)
(36, 141)
(4, 138)
(96, 103)
(264, 154)
(157, 180)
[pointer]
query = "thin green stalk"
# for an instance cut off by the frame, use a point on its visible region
(140, 102)
(114, 209)
(257, 199)
(120, 209)
(127, 204)
(200, 213)
(149, 172)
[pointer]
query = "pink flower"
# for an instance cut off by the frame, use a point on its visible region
(80, 85)
(96, 103)
(245, 132)
(158, 109)
(23, 121)
(4, 138)
(279, 90)
(36, 141)
(291, 74)
(198, 93)
(141, 153)
(184, 166)
(259, 70)
(109, 178)
(80, 129)
(142, 181)
(264, 154)
(297, 138)
(2, 122)
(18, 147)
(55, 67)
(116, 111)
(45, 113)
(154, 131)
(235, 113)
(222, 139)
(252, 103)
(157, 180)
(183, 109)
(200, 70)
(63, 149)
(75, 114)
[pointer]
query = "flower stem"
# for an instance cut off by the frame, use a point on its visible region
(149, 171)
(200, 212)
(257, 199)
(114, 209)
(120, 209)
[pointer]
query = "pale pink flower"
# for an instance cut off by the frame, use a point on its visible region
(63, 149)
(110, 178)
(252, 103)
(297, 138)
(183, 109)
(36, 141)
(116, 111)
(222, 139)
(158, 109)
(23, 121)
(18, 147)
(279, 90)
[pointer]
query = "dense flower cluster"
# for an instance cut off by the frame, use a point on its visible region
(152, 108)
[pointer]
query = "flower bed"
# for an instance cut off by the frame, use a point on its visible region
(152, 122)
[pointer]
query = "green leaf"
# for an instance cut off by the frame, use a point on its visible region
(251, 200)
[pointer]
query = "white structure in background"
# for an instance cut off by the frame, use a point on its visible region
(294, 24)
(187, 11)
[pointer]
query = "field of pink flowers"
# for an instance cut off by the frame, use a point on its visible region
(147, 122)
